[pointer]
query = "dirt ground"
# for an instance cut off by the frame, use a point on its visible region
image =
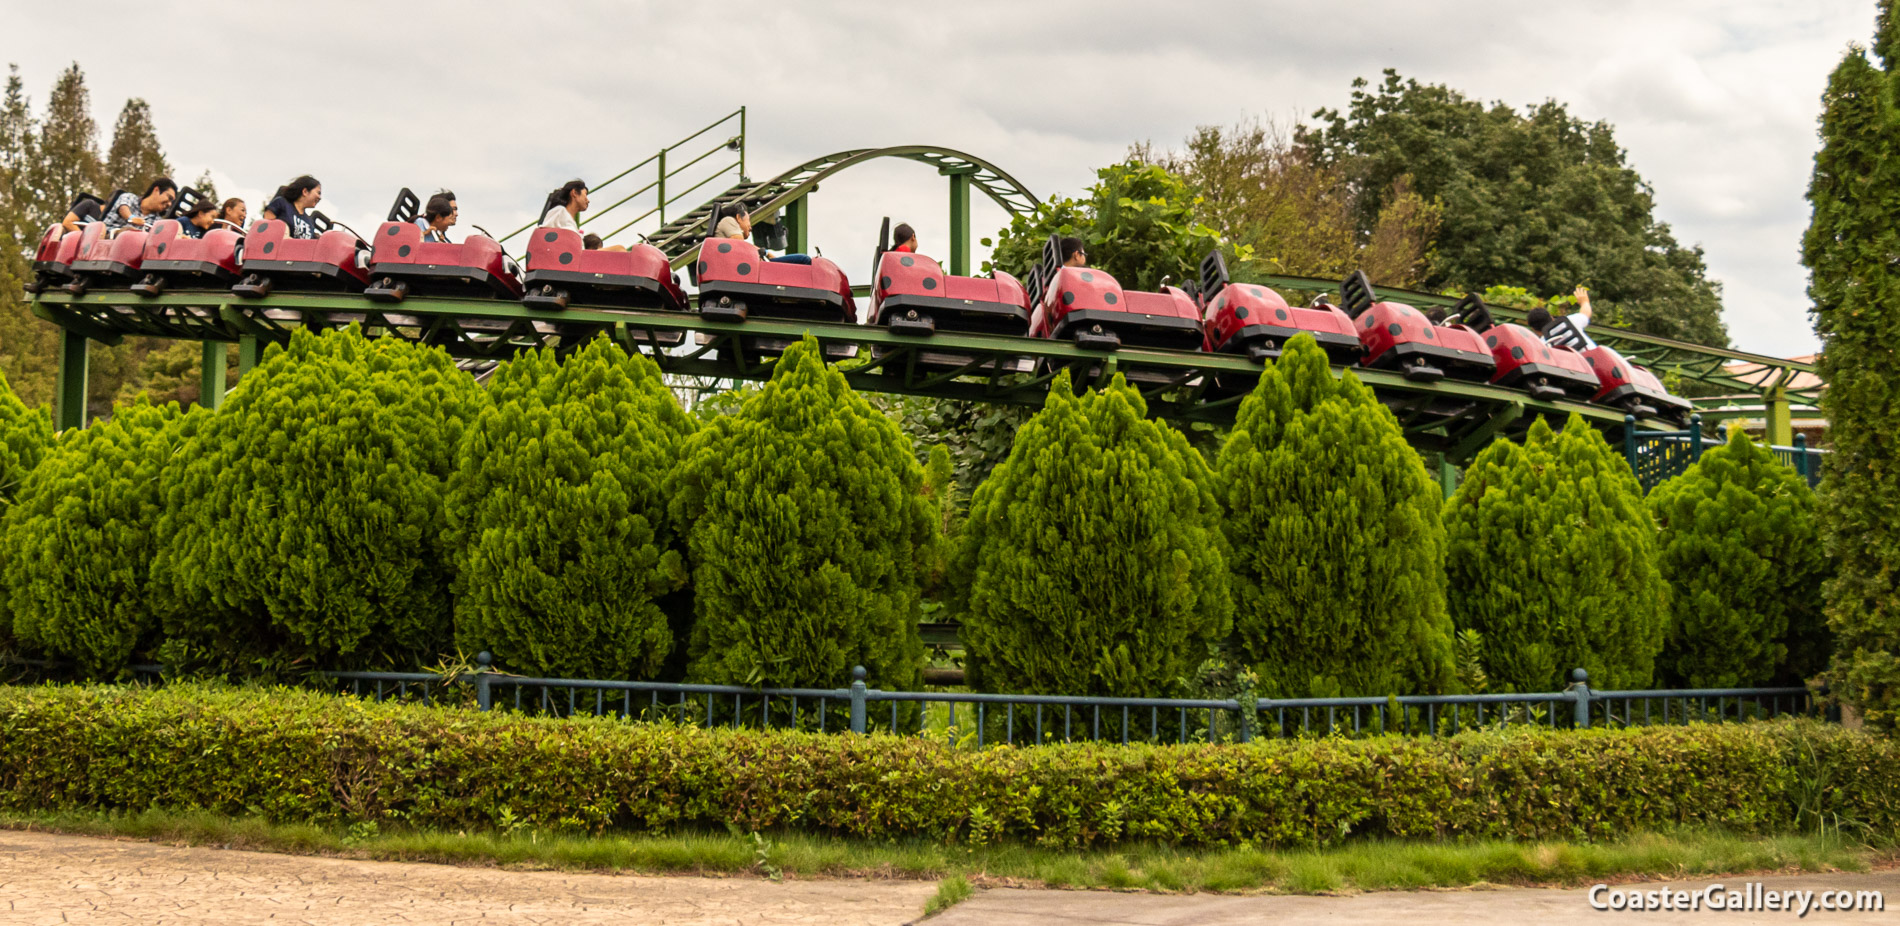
(47, 878)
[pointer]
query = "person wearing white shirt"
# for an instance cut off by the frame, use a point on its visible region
(1567, 331)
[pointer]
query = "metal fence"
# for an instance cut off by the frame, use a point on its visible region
(1657, 456)
(983, 719)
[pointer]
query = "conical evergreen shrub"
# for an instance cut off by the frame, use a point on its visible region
(82, 535)
(558, 521)
(1092, 561)
(304, 520)
(1336, 547)
(1741, 552)
(25, 436)
(1552, 559)
(807, 525)
(1855, 288)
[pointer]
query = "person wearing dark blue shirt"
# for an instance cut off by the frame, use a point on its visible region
(437, 216)
(199, 219)
(292, 203)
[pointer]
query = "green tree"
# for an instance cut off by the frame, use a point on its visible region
(1538, 199)
(557, 516)
(206, 187)
(28, 346)
(1552, 559)
(1138, 220)
(1298, 218)
(81, 539)
(1855, 193)
(1092, 560)
(135, 158)
(68, 150)
(808, 527)
(1337, 551)
(1740, 550)
(304, 520)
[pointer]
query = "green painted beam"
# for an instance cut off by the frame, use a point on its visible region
(250, 350)
(211, 375)
(69, 401)
(1182, 385)
(798, 225)
(960, 223)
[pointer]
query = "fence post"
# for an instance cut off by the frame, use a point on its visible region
(1695, 438)
(1580, 691)
(484, 699)
(857, 699)
(1249, 705)
(1801, 457)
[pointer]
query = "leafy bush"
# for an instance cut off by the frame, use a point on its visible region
(298, 756)
(1740, 551)
(1552, 559)
(1139, 221)
(1337, 552)
(808, 526)
(1091, 562)
(304, 519)
(1856, 297)
(557, 516)
(81, 536)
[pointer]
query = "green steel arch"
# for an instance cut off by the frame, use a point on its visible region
(680, 237)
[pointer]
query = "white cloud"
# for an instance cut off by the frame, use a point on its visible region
(1715, 101)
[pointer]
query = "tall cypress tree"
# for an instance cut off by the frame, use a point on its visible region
(1744, 564)
(304, 520)
(1338, 553)
(1849, 248)
(1552, 559)
(81, 539)
(135, 158)
(68, 149)
(557, 516)
(808, 523)
(1092, 560)
(28, 346)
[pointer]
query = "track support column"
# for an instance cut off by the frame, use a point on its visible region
(249, 352)
(69, 404)
(798, 225)
(960, 220)
(211, 375)
(1779, 418)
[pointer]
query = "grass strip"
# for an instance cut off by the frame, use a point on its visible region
(950, 892)
(1371, 865)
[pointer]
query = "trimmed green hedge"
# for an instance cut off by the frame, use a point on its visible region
(301, 756)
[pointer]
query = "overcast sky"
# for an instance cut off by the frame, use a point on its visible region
(1715, 100)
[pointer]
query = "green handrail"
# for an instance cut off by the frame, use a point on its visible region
(735, 142)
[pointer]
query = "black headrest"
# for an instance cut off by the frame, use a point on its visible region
(187, 198)
(1474, 312)
(84, 198)
(1356, 293)
(1561, 333)
(321, 221)
(1213, 274)
(405, 207)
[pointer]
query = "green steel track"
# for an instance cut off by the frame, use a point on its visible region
(1449, 417)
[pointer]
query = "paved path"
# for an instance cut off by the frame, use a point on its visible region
(1508, 907)
(47, 878)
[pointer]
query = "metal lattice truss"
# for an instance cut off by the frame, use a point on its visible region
(680, 237)
(1451, 417)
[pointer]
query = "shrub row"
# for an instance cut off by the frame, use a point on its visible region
(299, 756)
